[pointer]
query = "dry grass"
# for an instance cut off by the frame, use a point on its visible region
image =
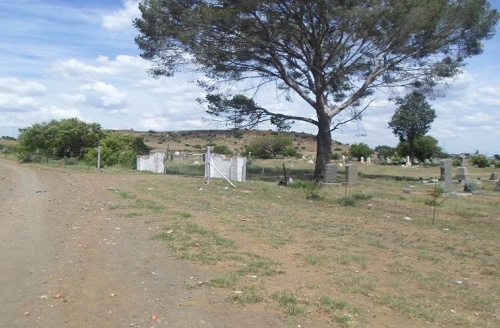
(360, 265)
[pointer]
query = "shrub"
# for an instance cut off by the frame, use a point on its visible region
(223, 149)
(480, 161)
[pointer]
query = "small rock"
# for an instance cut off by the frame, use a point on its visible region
(26, 313)
(407, 218)
(453, 311)
(57, 296)
(170, 231)
(407, 190)
(44, 297)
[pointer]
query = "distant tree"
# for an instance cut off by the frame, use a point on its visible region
(57, 139)
(118, 149)
(412, 119)
(269, 146)
(361, 149)
(480, 161)
(386, 151)
(333, 54)
(497, 157)
(426, 147)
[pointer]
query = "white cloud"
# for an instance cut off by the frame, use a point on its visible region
(16, 103)
(72, 99)
(122, 66)
(75, 68)
(122, 19)
(103, 94)
(55, 112)
(18, 87)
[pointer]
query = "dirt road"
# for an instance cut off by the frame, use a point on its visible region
(65, 261)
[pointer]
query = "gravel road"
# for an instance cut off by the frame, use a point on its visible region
(66, 261)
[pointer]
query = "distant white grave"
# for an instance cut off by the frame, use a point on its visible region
(152, 162)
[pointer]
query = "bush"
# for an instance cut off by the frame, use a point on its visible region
(480, 161)
(361, 149)
(335, 156)
(222, 149)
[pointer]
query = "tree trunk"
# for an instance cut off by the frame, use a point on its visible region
(410, 141)
(323, 147)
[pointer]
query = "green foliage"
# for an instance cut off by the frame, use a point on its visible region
(335, 156)
(223, 150)
(424, 147)
(270, 146)
(361, 149)
(412, 119)
(480, 161)
(281, 123)
(118, 149)
(386, 151)
(58, 139)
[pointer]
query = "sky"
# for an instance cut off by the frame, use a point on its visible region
(62, 59)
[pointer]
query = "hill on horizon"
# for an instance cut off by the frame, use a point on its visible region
(196, 141)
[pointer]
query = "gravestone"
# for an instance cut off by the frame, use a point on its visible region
(389, 161)
(331, 173)
(493, 176)
(343, 159)
(462, 170)
(461, 174)
(408, 162)
(369, 160)
(497, 188)
(381, 158)
(362, 160)
(351, 174)
(445, 177)
(470, 187)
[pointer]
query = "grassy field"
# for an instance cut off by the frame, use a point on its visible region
(372, 254)
(365, 255)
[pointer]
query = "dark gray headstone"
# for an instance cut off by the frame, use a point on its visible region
(331, 173)
(493, 176)
(470, 187)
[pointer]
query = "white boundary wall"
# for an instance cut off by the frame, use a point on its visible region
(152, 162)
(218, 166)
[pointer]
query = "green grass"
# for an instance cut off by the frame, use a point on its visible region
(289, 302)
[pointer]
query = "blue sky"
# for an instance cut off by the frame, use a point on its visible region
(76, 58)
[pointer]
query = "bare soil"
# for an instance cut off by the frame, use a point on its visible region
(67, 262)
